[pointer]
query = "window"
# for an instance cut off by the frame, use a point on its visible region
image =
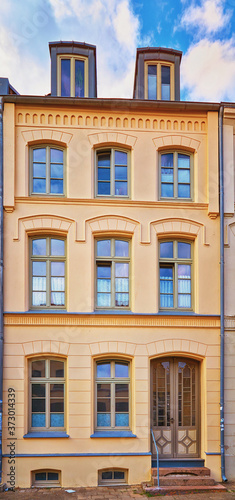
(112, 172)
(47, 478)
(159, 81)
(112, 273)
(175, 275)
(112, 477)
(47, 170)
(175, 175)
(47, 394)
(112, 395)
(73, 76)
(47, 277)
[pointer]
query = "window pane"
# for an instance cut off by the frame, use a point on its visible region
(183, 161)
(166, 287)
(57, 171)
(56, 368)
(103, 286)
(103, 390)
(103, 420)
(39, 185)
(57, 247)
(39, 170)
(121, 248)
(121, 188)
(167, 190)
(122, 406)
(39, 268)
(122, 285)
(103, 405)
(39, 299)
(104, 188)
(65, 77)
(183, 191)
(104, 248)
(38, 390)
(152, 81)
(57, 268)
(184, 176)
(165, 70)
(119, 474)
(166, 249)
(39, 284)
(121, 270)
(79, 78)
(57, 420)
(103, 370)
(122, 299)
(103, 174)
(121, 173)
(103, 300)
(57, 406)
(40, 476)
(38, 368)
(120, 158)
(121, 370)
(107, 475)
(184, 250)
(39, 247)
(56, 156)
(38, 405)
(39, 155)
(167, 160)
(167, 175)
(121, 420)
(57, 299)
(38, 420)
(57, 187)
(53, 476)
(121, 390)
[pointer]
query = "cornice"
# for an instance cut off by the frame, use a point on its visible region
(107, 320)
(110, 202)
(229, 323)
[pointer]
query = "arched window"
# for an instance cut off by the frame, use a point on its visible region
(47, 272)
(47, 165)
(112, 273)
(176, 174)
(112, 395)
(46, 477)
(47, 394)
(175, 274)
(112, 172)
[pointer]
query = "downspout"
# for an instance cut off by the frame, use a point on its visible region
(1, 277)
(221, 175)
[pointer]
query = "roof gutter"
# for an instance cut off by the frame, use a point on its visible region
(221, 173)
(1, 278)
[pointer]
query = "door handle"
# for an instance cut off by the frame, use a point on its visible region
(172, 420)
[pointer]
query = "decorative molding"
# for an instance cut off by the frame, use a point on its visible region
(179, 225)
(45, 347)
(213, 215)
(43, 222)
(176, 140)
(106, 320)
(9, 209)
(123, 121)
(110, 137)
(229, 323)
(112, 223)
(46, 135)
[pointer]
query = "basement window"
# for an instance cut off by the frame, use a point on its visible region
(112, 477)
(46, 479)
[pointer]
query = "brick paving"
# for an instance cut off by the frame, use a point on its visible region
(105, 493)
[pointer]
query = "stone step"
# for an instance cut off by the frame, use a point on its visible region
(167, 490)
(193, 471)
(184, 480)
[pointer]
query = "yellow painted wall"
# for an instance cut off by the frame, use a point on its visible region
(81, 337)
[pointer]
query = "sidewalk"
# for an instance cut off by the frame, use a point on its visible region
(104, 493)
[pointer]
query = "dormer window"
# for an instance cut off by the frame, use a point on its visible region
(73, 76)
(159, 81)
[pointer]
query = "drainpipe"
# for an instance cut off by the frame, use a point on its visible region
(221, 174)
(1, 277)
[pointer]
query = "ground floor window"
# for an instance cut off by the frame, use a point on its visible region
(46, 478)
(112, 476)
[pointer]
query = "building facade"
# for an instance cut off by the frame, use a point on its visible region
(111, 276)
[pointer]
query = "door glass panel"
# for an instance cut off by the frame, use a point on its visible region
(161, 395)
(186, 394)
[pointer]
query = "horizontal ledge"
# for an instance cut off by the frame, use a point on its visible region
(113, 434)
(106, 312)
(212, 453)
(38, 455)
(50, 434)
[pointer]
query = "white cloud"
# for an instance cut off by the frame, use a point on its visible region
(208, 71)
(208, 18)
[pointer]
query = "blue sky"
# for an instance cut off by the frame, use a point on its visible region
(202, 29)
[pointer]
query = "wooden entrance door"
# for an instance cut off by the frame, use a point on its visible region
(175, 407)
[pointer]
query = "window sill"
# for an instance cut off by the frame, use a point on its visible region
(113, 434)
(49, 434)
